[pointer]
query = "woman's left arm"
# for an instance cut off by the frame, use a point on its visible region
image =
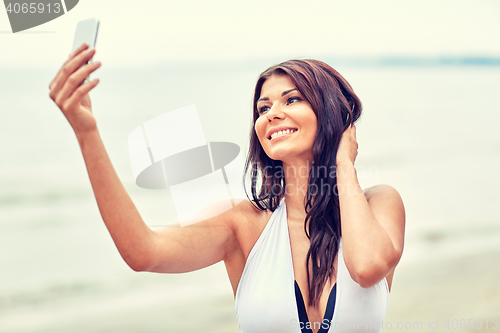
(372, 224)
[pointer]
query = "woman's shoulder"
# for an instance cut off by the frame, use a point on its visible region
(387, 206)
(245, 211)
(382, 192)
(386, 203)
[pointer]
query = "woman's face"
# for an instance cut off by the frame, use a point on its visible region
(282, 107)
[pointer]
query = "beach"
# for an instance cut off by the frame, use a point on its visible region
(447, 291)
(438, 290)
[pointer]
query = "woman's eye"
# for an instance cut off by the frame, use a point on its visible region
(263, 109)
(293, 100)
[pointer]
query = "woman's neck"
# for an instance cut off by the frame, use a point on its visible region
(296, 181)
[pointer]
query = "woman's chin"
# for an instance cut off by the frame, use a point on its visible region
(290, 157)
(278, 154)
(284, 155)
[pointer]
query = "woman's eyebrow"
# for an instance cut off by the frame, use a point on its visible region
(282, 94)
(288, 91)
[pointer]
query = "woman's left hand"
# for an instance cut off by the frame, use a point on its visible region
(348, 146)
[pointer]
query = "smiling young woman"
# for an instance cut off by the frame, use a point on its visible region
(309, 251)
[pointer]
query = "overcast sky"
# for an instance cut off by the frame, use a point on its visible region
(135, 33)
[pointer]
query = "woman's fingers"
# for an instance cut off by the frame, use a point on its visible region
(71, 75)
(78, 50)
(348, 147)
(68, 68)
(353, 137)
(69, 91)
(73, 81)
(81, 91)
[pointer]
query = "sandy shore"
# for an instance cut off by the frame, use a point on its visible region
(443, 290)
(199, 301)
(424, 294)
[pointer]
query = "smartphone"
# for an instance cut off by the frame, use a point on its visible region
(86, 31)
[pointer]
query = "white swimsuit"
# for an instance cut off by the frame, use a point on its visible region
(266, 299)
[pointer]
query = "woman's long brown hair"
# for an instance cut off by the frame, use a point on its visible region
(336, 107)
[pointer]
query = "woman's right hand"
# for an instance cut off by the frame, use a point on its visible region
(71, 97)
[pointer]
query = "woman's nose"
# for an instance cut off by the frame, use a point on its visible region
(276, 112)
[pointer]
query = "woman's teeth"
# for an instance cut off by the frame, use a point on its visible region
(280, 133)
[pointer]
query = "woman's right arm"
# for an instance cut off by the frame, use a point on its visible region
(168, 250)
